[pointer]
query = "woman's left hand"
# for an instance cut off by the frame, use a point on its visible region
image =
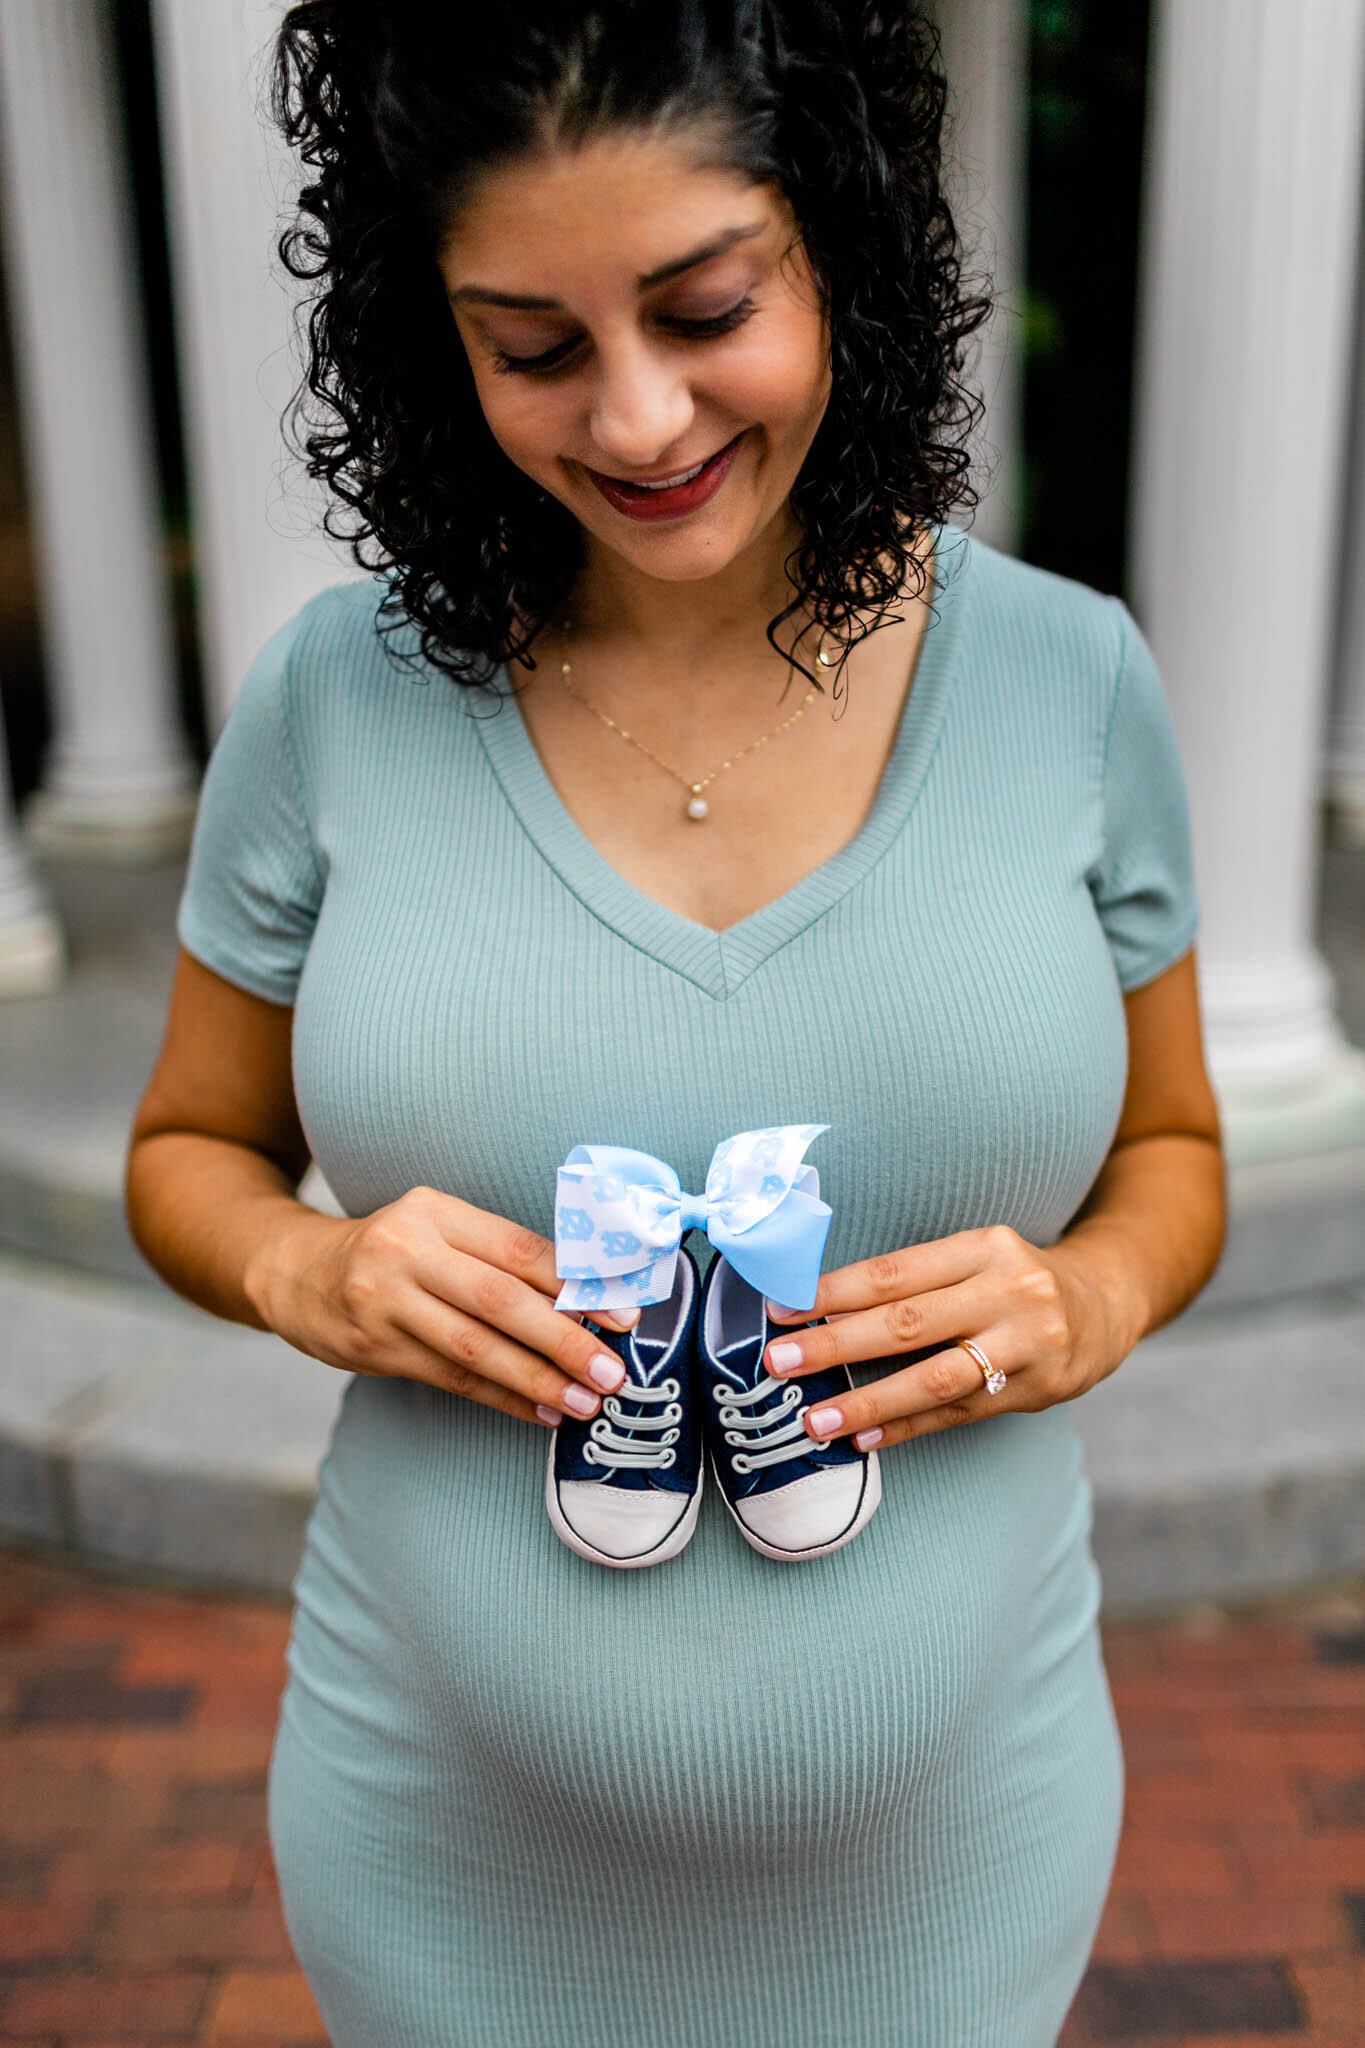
(1054, 1322)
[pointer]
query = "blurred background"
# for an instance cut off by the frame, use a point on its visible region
(1167, 195)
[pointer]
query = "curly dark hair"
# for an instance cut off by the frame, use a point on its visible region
(396, 108)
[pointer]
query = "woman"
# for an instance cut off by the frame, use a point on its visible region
(640, 329)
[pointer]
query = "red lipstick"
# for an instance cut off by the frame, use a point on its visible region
(639, 502)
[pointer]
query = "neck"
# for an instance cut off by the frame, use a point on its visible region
(688, 623)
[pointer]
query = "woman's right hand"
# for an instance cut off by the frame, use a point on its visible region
(431, 1288)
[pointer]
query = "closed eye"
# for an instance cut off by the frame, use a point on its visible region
(688, 330)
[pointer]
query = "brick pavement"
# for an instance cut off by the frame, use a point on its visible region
(138, 1907)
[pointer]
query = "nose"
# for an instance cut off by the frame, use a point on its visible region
(642, 407)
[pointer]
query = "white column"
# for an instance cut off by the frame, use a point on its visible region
(32, 951)
(258, 544)
(1249, 241)
(985, 53)
(118, 782)
(1344, 769)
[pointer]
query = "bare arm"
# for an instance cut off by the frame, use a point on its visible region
(427, 1288)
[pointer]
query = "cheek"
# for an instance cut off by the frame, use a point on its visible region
(523, 421)
(787, 389)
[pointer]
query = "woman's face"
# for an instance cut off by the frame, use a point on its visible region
(628, 316)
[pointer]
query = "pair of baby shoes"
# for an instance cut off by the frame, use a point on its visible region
(625, 1488)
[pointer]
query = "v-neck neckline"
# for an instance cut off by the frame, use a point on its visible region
(719, 961)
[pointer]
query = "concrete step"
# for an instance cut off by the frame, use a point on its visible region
(1227, 1456)
(136, 1429)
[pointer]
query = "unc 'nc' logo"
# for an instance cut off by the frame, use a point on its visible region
(590, 1292)
(642, 1279)
(719, 1182)
(768, 1149)
(619, 1244)
(772, 1184)
(575, 1225)
(608, 1187)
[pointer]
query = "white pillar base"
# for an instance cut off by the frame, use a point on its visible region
(110, 831)
(1286, 1079)
(1324, 1114)
(32, 955)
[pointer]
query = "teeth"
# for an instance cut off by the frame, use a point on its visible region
(670, 483)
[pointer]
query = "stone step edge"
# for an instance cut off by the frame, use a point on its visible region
(133, 1466)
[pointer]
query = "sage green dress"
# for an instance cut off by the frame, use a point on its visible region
(521, 1801)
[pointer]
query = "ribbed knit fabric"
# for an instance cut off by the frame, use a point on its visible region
(522, 1801)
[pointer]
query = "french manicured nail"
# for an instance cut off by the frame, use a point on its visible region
(579, 1401)
(621, 1318)
(783, 1357)
(776, 1310)
(868, 1439)
(550, 1415)
(606, 1372)
(824, 1421)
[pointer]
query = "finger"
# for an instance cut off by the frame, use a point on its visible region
(469, 1347)
(618, 1319)
(498, 1241)
(911, 1324)
(407, 1357)
(948, 1386)
(509, 1307)
(918, 1269)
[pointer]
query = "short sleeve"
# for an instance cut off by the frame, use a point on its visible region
(1143, 880)
(254, 885)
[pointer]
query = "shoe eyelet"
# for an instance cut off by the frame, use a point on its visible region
(673, 1412)
(671, 1388)
(601, 1428)
(740, 1462)
(590, 1456)
(671, 1459)
(720, 1392)
(670, 1436)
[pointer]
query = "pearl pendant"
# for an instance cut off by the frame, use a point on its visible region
(698, 808)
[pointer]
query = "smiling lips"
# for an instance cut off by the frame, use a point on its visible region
(673, 496)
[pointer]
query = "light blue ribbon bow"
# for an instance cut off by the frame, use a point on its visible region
(620, 1217)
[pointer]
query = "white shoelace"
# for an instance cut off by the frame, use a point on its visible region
(767, 1439)
(607, 1446)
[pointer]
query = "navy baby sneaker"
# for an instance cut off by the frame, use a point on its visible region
(792, 1498)
(624, 1488)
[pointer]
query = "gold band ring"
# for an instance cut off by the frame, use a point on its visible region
(994, 1378)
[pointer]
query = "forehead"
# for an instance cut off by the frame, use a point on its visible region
(613, 210)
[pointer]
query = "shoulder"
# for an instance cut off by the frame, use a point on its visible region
(1046, 616)
(339, 662)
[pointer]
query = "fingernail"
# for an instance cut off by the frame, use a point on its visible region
(626, 1318)
(606, 1372)
(550, 1415)
(868, 1439)
(824, 1421)
(783, 1357)
(776, 1309)
(580, 1402)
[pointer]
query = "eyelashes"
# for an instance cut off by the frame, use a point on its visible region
(689, 330)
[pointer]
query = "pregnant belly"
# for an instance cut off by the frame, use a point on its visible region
(743, 1712)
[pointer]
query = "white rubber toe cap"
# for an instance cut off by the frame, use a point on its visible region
(604, 1523)
(815, 1513)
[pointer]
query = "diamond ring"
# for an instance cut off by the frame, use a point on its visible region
(994, 1378)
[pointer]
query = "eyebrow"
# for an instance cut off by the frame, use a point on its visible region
(521, 302)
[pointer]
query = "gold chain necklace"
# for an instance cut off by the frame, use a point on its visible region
(697, 808)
